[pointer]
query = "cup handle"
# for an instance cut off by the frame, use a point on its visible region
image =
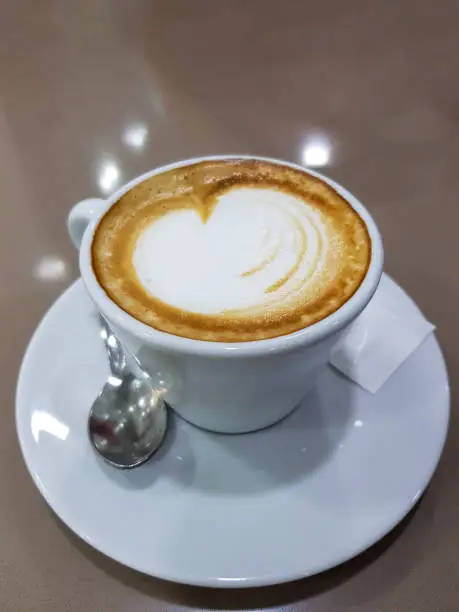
(80, 216)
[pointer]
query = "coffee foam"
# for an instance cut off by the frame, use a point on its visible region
(251, 253)
(231, 251)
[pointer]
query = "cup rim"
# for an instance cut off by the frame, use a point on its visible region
(177, 344)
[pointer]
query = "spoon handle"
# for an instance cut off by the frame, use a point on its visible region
(115, 352)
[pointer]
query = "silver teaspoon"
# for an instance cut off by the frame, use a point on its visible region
(128, 419)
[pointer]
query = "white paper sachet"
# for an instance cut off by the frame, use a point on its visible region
(382, 337)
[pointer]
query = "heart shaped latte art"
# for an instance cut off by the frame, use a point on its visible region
(260, 248)
(231, 250)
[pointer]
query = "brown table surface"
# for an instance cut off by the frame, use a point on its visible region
(84, 83)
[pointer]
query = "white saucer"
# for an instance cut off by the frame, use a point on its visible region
(215, 510)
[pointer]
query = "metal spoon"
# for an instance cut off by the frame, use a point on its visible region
(128, 419)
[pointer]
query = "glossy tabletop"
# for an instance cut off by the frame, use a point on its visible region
(96, 92)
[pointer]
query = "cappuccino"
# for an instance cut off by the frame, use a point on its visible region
(231, 250)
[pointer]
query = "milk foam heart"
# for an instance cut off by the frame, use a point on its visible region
(257, 247)
(231, 250)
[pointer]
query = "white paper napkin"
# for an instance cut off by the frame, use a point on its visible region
(383, 336)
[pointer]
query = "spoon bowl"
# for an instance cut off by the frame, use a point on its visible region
(128, 419)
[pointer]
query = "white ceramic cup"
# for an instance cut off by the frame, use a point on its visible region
(226, 387)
